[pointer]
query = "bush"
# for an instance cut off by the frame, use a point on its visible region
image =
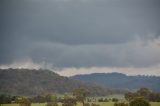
(139, 101)
(105, 100)
(100, 100)
(114, 100)
(52, 104)
(121, 104)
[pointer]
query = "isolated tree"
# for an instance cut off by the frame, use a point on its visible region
(81, 94)
(139, 101)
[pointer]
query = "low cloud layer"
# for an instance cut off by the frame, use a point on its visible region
(81, 34)
(128, 71)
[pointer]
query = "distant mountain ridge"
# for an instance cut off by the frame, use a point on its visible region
(122, 81)
(38, 82)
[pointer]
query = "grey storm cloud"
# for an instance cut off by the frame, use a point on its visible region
(80, 33)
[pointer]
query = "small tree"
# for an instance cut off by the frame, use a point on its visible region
(81, 94)
(139, 101)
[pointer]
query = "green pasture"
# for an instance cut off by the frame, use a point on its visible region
(79, 104)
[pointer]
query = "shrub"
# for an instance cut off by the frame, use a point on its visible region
(114, 100)
(105, 100)
(100, 100)
(139, 101)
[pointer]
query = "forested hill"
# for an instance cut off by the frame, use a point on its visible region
(118, 80)
(39, 82)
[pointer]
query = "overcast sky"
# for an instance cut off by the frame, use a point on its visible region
(81, 36)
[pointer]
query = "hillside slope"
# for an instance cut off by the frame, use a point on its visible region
(38, 82)
(118, 80)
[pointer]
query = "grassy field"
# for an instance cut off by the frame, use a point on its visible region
(120, 97)
(101, 104)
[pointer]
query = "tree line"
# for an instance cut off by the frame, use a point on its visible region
(143, 92)
(141, 97)
(79, 95)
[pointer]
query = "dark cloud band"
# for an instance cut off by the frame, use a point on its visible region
(82, 33)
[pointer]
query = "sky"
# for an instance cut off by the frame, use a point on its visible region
(81, 36)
